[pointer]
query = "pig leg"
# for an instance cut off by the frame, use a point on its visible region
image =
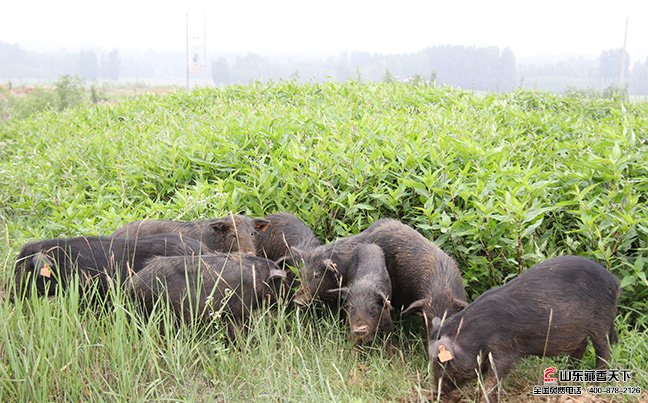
(237, 331)
(234, 327)
(497, 370)
(602, 349)
(392, 350)
(612, 335)
(577, 354)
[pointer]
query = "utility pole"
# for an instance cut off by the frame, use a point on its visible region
(206, 75)
(196, 51)
(623, 56)
(187, 20)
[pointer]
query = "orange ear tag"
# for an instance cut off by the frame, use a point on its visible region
(444, 355)
(45, 271)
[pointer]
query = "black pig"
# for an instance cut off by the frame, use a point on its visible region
(97, 260)
(323, 268)
(424, 278)
(285, 231)
(549, 310)
(200, 288)
(235, 233)
(367, 296)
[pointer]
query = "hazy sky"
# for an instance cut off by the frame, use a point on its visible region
(529, 28)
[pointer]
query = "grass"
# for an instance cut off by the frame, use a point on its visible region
(288, 355)
(500, 182)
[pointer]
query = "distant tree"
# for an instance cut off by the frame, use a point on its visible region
(417, 80)
(360, 58)
(616, 92)
(143, 67)
(479, 68)
(88, 66)
(250, 68)
(12, 61)
(110, 66)
(506, 74)
(610, 63)
(433, 78)
(221, 71)
(96, 95)
(639, 79)
(294, 76)
(69, 91)
(343, 70)
(388, 77)
(11, 53)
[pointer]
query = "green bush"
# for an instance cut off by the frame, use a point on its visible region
(69, 91)
(23, 106)
(499, 181)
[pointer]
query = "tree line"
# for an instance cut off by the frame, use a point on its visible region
(476, 68)
(17, 63)
(610, 71)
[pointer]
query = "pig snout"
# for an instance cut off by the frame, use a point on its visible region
(360, 333)
(247, 250)
(302, 297)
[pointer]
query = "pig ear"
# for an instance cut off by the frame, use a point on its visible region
(284, 260)
(293, 258)
(344, 291)
(459, 303)
(277, 274)
(260, 224)
(331, 266)
(385, 300)
(221, 225)
(414, 306)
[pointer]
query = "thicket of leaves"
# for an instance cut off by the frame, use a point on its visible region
(498, 181)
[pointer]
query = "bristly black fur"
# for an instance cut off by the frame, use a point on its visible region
(96, 260)
(201, 288)
(235, 233)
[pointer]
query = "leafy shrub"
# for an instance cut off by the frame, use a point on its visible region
(69, 91)
(500, 182)
(20, 107)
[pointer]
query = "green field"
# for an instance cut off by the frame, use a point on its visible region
(499, 181)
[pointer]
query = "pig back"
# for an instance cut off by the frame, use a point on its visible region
(417, 268)
(199, 287)
(548, 310)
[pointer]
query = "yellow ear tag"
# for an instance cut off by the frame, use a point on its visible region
(444, 355)
(45, 271)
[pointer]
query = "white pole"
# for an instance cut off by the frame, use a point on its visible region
(623, 54)
(187, 19)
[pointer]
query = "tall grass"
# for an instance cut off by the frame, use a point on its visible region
(500, 182)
